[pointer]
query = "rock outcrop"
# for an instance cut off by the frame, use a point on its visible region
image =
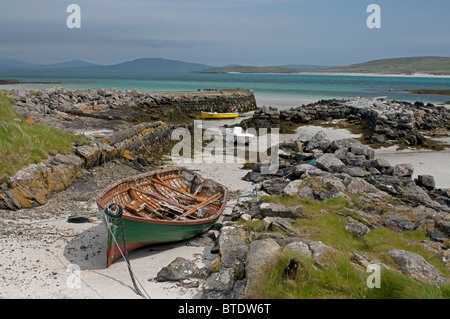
(32, 185)
(129, 106)
(389, 121)
(377, 195)
(416, 266)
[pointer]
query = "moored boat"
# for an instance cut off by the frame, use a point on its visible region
(239, 136)
(215, 115)
(161, 206)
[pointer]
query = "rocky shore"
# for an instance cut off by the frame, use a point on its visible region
(368, 194)
(129, 125)
(71, 107)
(385, 121)
(377, 195)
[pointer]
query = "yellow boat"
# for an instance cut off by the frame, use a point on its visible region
(215, 115)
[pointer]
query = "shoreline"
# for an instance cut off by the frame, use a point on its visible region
(20, 82)
(416, 75)
(400, 75)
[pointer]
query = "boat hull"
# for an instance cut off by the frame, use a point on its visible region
(211, 115)
(141, 231)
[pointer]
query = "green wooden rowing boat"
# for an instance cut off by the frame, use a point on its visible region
(162, 206)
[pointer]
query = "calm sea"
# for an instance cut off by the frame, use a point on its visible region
(279, 90)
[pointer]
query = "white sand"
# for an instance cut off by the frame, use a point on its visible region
(424, 162)
(37, 263)
(38, 269)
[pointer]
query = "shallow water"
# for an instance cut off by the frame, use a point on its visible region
(280, 90)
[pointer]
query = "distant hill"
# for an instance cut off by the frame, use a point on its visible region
(13, 64)
(68, 65)
(141, 65)
(156, 65)
(305, 66)
(426, 65)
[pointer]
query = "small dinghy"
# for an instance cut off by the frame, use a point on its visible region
(161, 206)
(239, 136)
(215, 115)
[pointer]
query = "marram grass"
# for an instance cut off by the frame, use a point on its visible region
(22, 143)
(341, 280)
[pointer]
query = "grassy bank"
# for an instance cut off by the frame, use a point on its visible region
(340, 278)
(22, 143)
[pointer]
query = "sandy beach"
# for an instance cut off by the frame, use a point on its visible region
(44, 256)
(415, 75)
(424, 162)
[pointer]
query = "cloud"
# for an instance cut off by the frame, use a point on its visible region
(221, 32)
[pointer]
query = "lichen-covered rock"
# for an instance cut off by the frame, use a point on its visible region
(219, 282)
(279, 210)
(300, 248)
(357, 228)
(346, 143)
(32, 185)
(261, 254)
(320, 141)
(403, 170)
(417, 267)
(426, 181)
(180, 269)
(233, 249)
(284, 224)
(330, 163)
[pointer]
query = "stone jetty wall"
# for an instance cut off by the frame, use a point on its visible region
(130, 106)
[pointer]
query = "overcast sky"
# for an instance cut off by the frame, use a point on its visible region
(247, 32)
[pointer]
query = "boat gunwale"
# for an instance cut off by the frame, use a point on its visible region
(162, 221)
(217, 113)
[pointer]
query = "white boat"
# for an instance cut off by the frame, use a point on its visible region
(239, 136)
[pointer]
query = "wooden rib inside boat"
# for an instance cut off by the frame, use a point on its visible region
(160, 206)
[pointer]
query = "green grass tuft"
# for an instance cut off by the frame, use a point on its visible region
(22, 143)
(342, 279)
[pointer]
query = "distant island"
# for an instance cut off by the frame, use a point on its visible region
(256, 69)
(408, 66)
(432, 92)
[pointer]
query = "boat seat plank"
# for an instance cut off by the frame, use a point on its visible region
(202, 204)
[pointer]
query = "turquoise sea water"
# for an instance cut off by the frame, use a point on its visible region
(280, 90)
